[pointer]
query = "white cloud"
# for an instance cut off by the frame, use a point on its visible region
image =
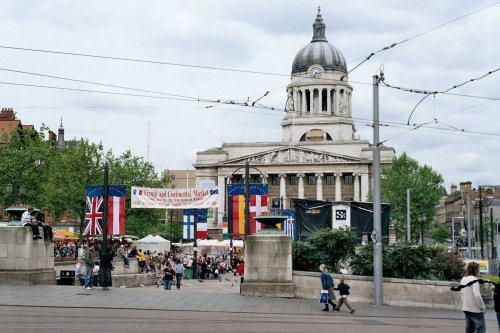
(259, 36)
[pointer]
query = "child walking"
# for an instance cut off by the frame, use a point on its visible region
(343, 289)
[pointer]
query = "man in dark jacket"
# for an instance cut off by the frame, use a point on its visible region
(105, 267)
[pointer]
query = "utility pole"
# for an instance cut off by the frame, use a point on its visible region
(481, 234)
(247, 199)
(469, 230)
(491, 234)
(105, 208)
(377, 240)
(408, 217)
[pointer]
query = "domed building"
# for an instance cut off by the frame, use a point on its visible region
(319, 156)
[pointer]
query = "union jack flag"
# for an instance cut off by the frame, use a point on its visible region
(93, 216)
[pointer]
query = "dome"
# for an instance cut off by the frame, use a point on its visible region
(319, 52)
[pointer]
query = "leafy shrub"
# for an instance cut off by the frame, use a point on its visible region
(337, 245)
(306, 257)
(362, 262)
(404, 261)
(408, 261)
(448, 266)
(439, 233)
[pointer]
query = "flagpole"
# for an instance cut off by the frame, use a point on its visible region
(105, 196)
(247, 199)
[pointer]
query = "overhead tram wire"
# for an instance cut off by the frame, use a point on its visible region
(368, 122)
(415, 36)
(446, 91)
(139, 60)
(94, 83)
(96, 56)
(188, 98)
(182, 97)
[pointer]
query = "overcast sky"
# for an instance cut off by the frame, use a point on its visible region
(264, 36)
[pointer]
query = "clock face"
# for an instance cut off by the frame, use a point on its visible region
(315, 72)
(340, 214)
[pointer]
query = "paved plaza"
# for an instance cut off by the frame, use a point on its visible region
(209, 306)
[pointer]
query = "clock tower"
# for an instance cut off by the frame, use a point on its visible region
(319, 105)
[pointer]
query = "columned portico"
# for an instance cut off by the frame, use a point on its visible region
(319, 186)
(283, 189)
(221, 183)
(300, 176)
(364, 186)
(319, 143)
(356, 186)
(338, 188)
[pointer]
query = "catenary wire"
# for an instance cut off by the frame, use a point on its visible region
(417, 35)
(429, 93)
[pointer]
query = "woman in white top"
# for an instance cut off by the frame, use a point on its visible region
(472, 302)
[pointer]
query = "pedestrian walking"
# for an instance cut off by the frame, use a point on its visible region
(472, 303)
(105, 268)
(179, 272)
(88, 258)
(343, 289)
(168, 276)
(327, 284)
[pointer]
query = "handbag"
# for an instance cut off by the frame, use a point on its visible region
(323, 296)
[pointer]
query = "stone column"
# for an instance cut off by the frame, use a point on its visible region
(364, 186)
(337, 101)
(349, 102)
(221, 209)
(295, 100)
(319, 186)
(356, 186)
(303, 101)
(283, 189)
(311, 100)
(329, 101)
(301, 185)
(320, 100)
(338, 187)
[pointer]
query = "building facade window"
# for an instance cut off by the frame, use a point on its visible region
(311, 180)
(330, 179)
(294, 180)
(275, 180)
(348, 179)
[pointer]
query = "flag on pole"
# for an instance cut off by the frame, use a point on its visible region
(289, 226)
(201, 225)
(236, 207)
(95, 210)
(188, 225)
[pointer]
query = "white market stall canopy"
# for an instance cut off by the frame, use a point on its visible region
(236, 243)
(153, 243)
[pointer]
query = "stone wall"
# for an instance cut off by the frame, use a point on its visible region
(397, 292)
(24, 260)
(120, 276)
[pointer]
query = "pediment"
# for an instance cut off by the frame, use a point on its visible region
(294, 155)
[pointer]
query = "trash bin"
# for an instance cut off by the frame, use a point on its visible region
(188, 272)
(67, 278)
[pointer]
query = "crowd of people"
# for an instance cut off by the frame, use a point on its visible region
(93, 267)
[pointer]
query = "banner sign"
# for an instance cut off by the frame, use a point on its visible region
(174, 198)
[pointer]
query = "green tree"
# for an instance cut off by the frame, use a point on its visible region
(425, 186)
(448, 266)
(337, 245)
(403, 260)
(440, 233)
(56, 180)
(24, 167)
(307, 257)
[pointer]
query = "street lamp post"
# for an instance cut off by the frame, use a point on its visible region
(453, 228)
